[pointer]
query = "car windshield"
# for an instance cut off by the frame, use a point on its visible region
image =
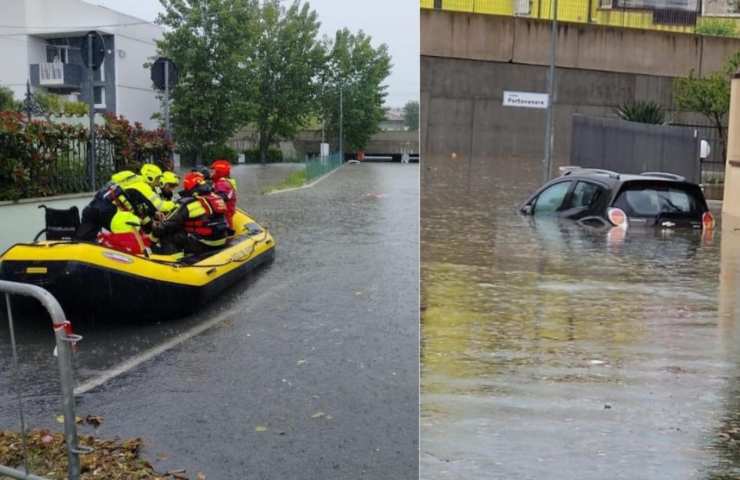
(654, 199)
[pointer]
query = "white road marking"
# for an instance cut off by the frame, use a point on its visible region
(178, 339)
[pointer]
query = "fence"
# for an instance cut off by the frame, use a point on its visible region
(712, 168)
(318, 166)
(64, 356)
(646, 14)
(631, 147)
(64, 169)
(70, 173)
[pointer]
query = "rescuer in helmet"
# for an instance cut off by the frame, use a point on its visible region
(167, 185)
(225, 186)
(125, 192)
(198, 224)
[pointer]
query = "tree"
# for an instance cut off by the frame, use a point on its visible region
(358, 69)
(411, 115)
(212, 43)
(288, 61)
(708, 95)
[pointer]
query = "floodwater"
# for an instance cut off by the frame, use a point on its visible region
(549, 351)
(312, 368)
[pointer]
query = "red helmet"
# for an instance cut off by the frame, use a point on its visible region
(221, 168)
(192, 180)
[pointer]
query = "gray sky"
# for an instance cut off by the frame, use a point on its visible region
(393, 22)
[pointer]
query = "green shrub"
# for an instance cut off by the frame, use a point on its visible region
(50, 103)
(219, 152)
(642, 112)
(40, 158)
(7, 101)
(716, 27)
(72, 108)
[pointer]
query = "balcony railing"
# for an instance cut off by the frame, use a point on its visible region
(56, 74)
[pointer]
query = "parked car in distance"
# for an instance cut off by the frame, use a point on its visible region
(602, 198)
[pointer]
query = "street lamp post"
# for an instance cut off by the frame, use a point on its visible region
(341, 123)
(549, 128)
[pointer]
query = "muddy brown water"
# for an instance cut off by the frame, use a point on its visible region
(550, 351)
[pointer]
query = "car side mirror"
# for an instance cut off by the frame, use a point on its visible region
(526, 210)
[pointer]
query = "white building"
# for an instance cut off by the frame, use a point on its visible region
(40, 41)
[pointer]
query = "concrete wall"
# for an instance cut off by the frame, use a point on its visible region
(135, 97)
(462, 111)
(469, 60)
(13, 49)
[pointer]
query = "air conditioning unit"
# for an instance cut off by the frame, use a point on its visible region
(521, 7)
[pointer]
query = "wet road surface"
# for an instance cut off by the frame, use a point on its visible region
(552, 352)
(313, 372)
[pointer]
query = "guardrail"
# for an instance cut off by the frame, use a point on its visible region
(64, 339)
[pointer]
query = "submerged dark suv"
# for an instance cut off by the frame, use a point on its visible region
(605, 198)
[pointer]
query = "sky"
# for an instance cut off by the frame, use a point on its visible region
(393, 22)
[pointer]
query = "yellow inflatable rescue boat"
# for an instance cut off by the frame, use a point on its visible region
(91, 280)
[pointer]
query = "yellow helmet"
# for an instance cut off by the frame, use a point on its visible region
(151, 173)
(169, 178)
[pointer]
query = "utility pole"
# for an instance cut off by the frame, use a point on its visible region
(549, 128)
(91, 81)
(167, 133)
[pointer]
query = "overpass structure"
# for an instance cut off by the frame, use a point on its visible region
(388, 145)
(385, 145)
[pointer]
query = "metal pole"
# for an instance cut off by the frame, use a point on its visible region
(341, 124)
(167, 105)
(92, 110)
(16, 381)
(64, 352)
(29, 101)
(549, 134)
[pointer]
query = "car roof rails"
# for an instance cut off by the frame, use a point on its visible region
(597, 171)
(670, 176)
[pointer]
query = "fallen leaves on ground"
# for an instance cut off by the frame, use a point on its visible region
(111, 459)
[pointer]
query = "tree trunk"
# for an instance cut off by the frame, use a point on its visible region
(264, 145)
(722, 139)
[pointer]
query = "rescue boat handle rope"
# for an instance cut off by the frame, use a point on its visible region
(232, 260)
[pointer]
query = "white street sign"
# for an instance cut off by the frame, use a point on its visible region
(525, 99)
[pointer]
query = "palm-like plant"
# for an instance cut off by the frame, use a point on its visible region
(642, 112)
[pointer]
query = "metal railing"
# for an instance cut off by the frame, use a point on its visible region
(64, 338)
(645, 14)
(318, 166)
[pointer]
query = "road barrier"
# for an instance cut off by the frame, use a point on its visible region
(64, 338)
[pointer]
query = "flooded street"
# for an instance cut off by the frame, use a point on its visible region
(549, 351)
(311, 369)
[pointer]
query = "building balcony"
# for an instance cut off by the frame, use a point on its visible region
(56, 75)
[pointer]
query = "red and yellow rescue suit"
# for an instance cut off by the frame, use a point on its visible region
(197, 225)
